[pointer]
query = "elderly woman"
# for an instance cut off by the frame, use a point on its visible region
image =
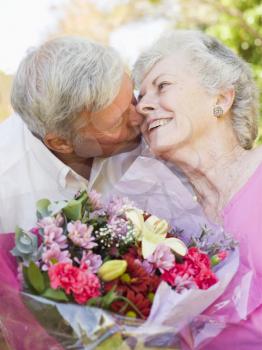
(199, 104)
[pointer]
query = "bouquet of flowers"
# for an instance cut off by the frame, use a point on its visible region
(116, 257)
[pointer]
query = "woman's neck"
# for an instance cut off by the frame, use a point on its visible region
(212, 169)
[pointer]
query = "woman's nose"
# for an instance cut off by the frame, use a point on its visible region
(145, 106)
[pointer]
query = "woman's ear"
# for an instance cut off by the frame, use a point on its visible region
(58, 144)
(226, 98)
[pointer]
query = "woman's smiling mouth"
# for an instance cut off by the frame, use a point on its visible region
(158, 122)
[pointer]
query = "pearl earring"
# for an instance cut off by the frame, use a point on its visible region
(218, 111)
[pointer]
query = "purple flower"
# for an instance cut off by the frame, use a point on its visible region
(148, 267)
(53, 255)
(93, 261)
(48, 220)
(81, 234)
(116, 206)
(54, 234)
(95, 199)
(162, 258)
(99, 212)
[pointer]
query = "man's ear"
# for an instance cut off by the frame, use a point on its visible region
(58, 144)
(226, 98)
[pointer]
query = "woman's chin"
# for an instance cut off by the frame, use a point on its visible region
(161, 151)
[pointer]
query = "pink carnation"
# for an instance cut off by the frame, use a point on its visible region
(78, 281)
(197, 258)
(63, 275)
(205, 279)
(86, 287)
(81, 234)
(196, 268)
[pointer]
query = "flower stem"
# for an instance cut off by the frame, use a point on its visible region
(132, 305)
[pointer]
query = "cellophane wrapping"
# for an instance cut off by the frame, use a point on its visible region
(187, 320)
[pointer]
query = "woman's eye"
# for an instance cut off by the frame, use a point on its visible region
(139, 98)
(162, 85)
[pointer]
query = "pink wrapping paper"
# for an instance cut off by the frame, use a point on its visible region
(20, 329)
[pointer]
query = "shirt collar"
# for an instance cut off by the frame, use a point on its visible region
(53, 166)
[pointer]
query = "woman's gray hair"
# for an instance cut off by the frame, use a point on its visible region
(218, 68)
(57, 81)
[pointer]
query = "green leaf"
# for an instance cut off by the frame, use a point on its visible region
(105, 301)
(18, 232)
(46, 279)
(27, 282)
(109, 298)
(42, 208)
(26, 245)
(73, 210)
(55, 294)
(114, 342)
(35, 277)
(94, 302)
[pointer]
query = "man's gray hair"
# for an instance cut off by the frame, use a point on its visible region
(218, 68)
(57, 81)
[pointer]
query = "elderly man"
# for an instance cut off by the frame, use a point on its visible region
(74, 105)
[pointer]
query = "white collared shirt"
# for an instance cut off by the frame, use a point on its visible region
(29, 172)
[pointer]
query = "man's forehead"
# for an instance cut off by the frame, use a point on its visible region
(125, 93)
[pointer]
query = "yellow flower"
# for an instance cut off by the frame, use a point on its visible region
(152, 232)
(157, 226)
(112, 269)
(136, 217)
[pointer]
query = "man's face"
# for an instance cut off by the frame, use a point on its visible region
(113, 130)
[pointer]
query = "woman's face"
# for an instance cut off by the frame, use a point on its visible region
(177, 109)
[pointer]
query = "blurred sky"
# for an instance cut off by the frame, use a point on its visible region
(132, 38)
(25, 23)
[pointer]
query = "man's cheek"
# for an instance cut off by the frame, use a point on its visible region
(87, 147)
